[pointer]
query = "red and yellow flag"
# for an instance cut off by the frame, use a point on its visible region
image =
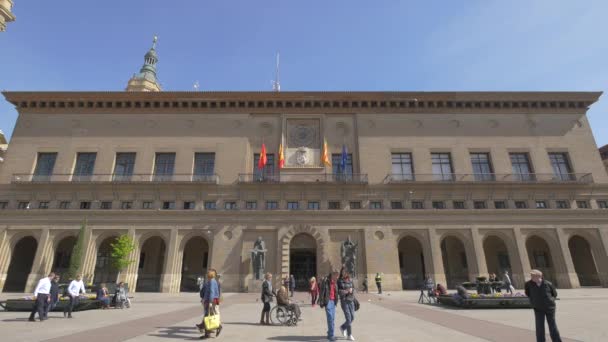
(281, 157)
(263, 159)
(325, 159)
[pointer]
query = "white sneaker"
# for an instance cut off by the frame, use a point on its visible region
(351, 338)
(344, 332)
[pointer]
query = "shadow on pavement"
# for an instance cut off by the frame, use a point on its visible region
(298, 338)
(182, 333)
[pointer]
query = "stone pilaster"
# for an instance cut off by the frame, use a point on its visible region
(41, 262)
(523, 259)
(89, 256)
(382, 255)
(5, 256)
(480, 255)
(438, 272)
(171, 277)
(567, 277)
(129, 275)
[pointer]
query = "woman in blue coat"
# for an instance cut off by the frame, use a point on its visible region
(210, 297)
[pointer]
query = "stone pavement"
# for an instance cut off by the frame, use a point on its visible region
(394, 316)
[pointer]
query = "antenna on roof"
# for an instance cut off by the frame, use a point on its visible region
(276, 84)
(196, 86)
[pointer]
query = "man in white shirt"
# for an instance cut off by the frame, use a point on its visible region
(42, 297)
(74, 289)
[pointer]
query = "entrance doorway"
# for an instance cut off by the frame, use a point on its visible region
(411, 263)
(21, 264)
(303, 259)
(584, 265)
(194, 263)
(104, 272)
(151, 263)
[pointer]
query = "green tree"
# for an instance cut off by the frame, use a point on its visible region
(121, 250)
(76, 257)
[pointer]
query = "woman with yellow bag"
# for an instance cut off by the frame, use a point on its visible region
(210, 297)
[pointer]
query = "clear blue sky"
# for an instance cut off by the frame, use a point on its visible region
(324, 45)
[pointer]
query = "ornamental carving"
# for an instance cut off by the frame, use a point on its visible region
(303, 133)
(302, 156)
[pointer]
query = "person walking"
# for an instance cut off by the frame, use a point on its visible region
(328, 299)
(507, 282)
(346, 291)
(266, 299)
(292, 284)
(314, 291)
(76, 286)
(54, 294)
(379, 282)
(42, 297)
(542, 296)
(365, 285)
(210, 297)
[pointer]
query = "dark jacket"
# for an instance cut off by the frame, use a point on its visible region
(344, 284)
(282, 298)
(54, 292)
(324, 292)
(541, 297)
(266, 292)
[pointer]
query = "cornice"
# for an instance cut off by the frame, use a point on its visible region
(302, 102)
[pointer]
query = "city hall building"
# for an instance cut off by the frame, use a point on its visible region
(448, 184)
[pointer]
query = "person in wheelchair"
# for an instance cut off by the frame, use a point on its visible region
(283, 300)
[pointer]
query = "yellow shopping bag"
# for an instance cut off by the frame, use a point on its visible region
(212, 320)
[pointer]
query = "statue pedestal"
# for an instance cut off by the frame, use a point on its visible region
(254, 286)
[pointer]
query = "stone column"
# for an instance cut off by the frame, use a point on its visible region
(40, 265)
(129, 275)
(567, 277)
(89, 256)
(523, 259)
(5, 255)
(480, 255)
(170, 278)
(438, 273)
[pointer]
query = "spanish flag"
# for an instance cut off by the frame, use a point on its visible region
(281, 156)
(263, 159)
(325, 159)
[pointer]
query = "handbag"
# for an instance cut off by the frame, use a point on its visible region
(357, 304)
(212, 320)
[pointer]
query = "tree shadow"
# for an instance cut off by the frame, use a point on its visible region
(181, 333)
(299, 338)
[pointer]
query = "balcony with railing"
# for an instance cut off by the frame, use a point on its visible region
(491, 178)
(115, 178)
(303, 178)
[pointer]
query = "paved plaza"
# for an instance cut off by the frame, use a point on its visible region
(394, 316)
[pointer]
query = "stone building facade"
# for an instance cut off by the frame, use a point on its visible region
(604, 155)
(451, 184)
(6, 14)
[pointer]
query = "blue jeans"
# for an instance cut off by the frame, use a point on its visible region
(349, 314)
(540, 325)
(330, 312)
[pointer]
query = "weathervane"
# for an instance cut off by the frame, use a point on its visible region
(276, 85)
(154, 41)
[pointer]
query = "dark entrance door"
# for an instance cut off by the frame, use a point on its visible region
(303, 266)
(21, 265)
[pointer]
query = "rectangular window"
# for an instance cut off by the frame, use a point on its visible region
(562, 204)
(541, 205)
(164, 164)
(582, 204)
(500, 205)
(561, 166)
(168, 205)
(125, 164)
(189, 205)
(204, 166)
(522, 170)
(210, 205)
(396, 204)
(147, 205)
(3, 205)
(314, 206)
(85, 205)
(293, 205)
(43, 205)
(251, 205)
(482, 167)
(64, 205)
(479, 204)
(272, 205)
(600, 204)
(521, 204)
(402, 167)
(85, 164)
(459, 205)
(106, 205)
(442, 167)
(44, 166)
(263, 174)
(438, 205)
(342, 171)
(334, 205)
(417, 205)
(355, 205)
(375, 205)
(230, 205)
(126, 205)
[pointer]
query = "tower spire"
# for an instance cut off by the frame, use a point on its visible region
(146, 80)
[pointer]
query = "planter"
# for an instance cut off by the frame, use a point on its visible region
(516, 302)
(28, 304)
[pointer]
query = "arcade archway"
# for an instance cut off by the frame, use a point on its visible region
(411, 263)
(21, 263)
(151, 263)
(303, 259)
(584, 263)
(455, 263)
(194, 264)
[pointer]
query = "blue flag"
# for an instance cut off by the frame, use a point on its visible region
(344, 159)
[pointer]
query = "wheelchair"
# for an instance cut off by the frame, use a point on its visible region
(282, 315)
